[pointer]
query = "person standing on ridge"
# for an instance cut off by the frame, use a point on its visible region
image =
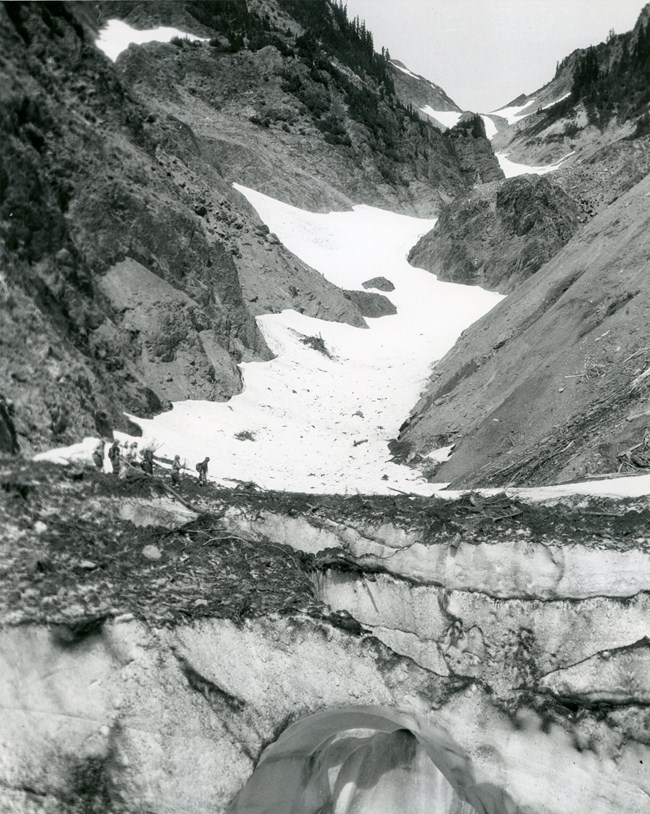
(176, 471)
(202, 469)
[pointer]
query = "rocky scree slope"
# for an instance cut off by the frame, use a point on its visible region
(151, 652)
(553, 383)
(132, 271)
(500, 234)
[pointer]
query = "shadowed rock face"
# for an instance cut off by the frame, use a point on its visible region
(478, 163)
(497, 238)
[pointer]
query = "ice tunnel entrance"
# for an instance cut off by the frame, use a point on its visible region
(367, 760)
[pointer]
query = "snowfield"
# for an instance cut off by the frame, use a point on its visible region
(515, 113)
(322, 423)
(511, 169)
(490, 127)
(447, 118)
(116, 36)
(315, 422)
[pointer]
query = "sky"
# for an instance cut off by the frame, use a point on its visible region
(484, 53)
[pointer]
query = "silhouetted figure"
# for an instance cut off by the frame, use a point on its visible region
(8, 438)
(114, 456)
(98, 456)
(202, 469)
(147, 461)
(176, 471)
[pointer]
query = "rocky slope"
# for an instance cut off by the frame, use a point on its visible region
(151, 654)
(418, 92)
(132, 271)
(500, 234)
(598, 96)
(552, 384)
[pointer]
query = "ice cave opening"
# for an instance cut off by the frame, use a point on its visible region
(367, 760)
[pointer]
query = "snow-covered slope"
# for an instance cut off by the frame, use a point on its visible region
(116, 36)
(322, 422)
(446, 118)
(512, 168)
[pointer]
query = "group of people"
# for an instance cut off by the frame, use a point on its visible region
(127, 457)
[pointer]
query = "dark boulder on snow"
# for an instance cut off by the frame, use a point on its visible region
(381, 283)
(371, 304)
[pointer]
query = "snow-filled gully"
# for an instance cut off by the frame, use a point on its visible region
(322, 423)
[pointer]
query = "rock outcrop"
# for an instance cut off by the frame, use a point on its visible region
(477, 161)
(568, 347)
(499, 236)
(371, 304)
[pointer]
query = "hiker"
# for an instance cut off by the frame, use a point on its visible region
(147, 460)
(8, 436)
(114, 455)
(176, 471)
(131, 454)
(98, 455)
(202, 469)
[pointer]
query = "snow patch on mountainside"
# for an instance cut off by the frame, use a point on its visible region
(447, 118)
(511, 168)
(116, 36)
(319, 416)
(404, 69)
(490, 127)
(514, 113)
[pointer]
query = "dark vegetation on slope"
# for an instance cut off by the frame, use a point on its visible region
(610, 80)
(613, 78)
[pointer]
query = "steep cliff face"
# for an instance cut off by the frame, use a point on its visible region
(154, 659)
(132, 271)
(478, 163)
(499, 235)
(568, 347)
